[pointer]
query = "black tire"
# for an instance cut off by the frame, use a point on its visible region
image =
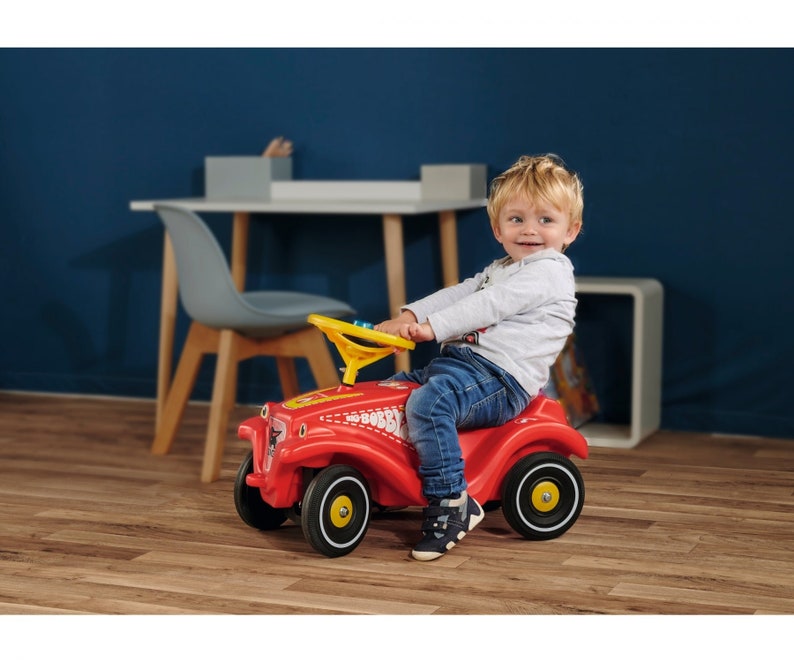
(542, 496)
(251, 508)
(335, 510)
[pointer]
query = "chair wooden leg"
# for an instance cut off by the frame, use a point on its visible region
(180, 389)
(224, 393)
(231, 348)
(307, 343)
(321, 364)
(288, 376)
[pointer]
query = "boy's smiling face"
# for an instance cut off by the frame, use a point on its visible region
(524, 227)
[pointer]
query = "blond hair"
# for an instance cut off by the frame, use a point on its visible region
(538, 178)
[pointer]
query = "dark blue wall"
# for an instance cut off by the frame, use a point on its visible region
(685, 155)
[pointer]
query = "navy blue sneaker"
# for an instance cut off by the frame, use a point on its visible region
(446, 522)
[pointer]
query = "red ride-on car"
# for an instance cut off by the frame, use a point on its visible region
(327, 458)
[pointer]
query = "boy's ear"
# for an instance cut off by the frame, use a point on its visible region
(497, 232)
(572, 233)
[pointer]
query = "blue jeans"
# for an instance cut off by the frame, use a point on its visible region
(459, 390)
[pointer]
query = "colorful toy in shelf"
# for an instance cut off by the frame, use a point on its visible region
(328, 458)
(570, 384)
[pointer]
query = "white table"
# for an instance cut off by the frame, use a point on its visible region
(391, 213)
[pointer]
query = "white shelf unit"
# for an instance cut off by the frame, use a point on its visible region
(646, 359)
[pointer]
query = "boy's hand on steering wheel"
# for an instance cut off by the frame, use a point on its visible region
(398, 326)
(406, 326)
(408, 330)
(419, 332)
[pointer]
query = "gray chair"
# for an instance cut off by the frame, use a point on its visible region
(236, 326)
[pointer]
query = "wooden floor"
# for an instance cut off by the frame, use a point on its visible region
(91, 523)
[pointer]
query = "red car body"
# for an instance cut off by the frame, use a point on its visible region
(363, 426)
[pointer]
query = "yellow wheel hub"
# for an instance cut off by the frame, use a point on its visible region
(341, 511)
(545, 496)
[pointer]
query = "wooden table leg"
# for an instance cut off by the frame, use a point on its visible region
(448, 231)
(168, 304)
(239, 258)
(395, 274)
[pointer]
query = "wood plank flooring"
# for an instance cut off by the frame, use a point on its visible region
(92, 523)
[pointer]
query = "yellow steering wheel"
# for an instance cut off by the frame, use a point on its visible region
(357, 355)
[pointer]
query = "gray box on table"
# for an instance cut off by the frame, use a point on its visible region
(244, 176)
(453, 181)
